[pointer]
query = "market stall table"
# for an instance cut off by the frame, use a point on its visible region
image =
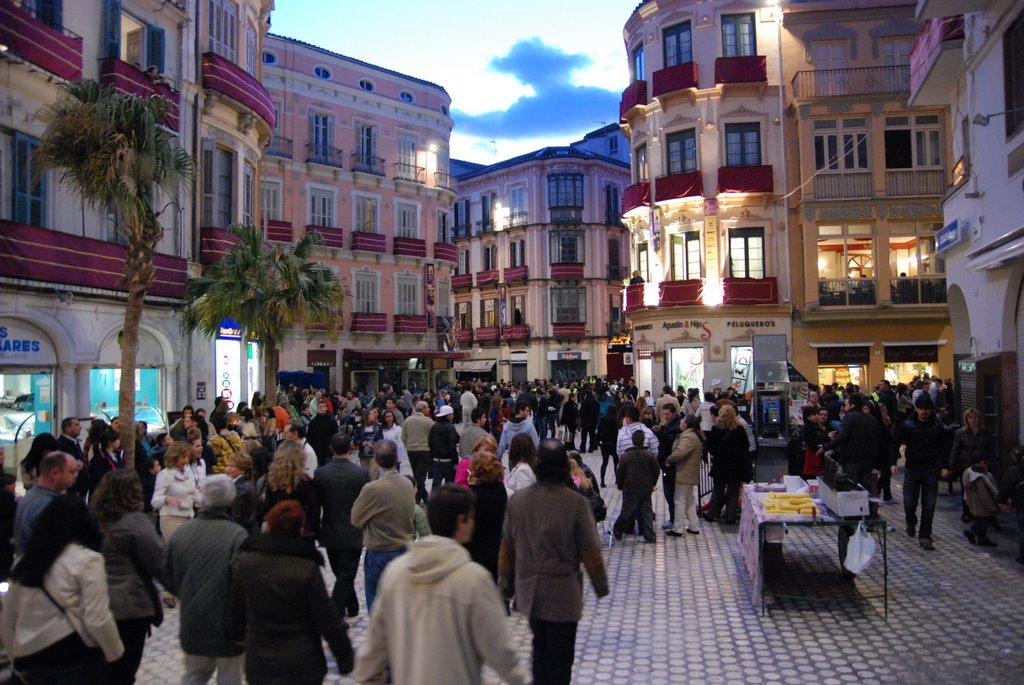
(759, 528)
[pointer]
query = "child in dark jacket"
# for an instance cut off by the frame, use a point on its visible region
(636, 475)
(981, 494)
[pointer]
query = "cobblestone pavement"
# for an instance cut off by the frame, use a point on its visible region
(679, 612)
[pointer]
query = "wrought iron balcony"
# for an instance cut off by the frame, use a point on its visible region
(616, 272)
(842, 185)
(823, 83)
(517, 217)
(462, 230)
(280, 147)
(244, 93)
(442, 179)
(566, 215)
(317, 153)
(37, 37)
(367, 164)
(369, 322)
(409, 172)
(128, 78)
(918, 290)
(841, 292)
(408, 247)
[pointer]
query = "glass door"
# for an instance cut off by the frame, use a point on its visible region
(26, 410)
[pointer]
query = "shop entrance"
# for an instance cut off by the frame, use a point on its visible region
(519, 374)
(568, 371)
(26, 410)
(686, 367)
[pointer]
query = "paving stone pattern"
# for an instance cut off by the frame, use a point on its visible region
(679, 612)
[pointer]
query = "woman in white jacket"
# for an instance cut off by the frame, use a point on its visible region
(56, 622)
(176, 494)
(522, 457)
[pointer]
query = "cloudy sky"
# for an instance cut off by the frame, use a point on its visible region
(523, 75)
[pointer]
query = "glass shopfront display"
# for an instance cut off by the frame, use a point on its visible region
(686, 367)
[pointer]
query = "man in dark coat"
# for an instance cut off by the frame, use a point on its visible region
(200, 558)
(922, 433)
(338, 484)
(320, 431)
(590, 410)
(667, 431)
(444, 448)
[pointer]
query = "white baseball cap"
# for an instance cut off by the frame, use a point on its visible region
(445, 411)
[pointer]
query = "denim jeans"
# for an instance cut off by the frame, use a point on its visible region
(373, 567)
(554, 651)
(920, 485)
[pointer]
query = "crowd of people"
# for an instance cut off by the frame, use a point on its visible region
(229, 516)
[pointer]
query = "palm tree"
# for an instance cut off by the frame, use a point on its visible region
(112, 152)
(266, 291)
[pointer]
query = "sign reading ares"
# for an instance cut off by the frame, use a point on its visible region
(9, 345)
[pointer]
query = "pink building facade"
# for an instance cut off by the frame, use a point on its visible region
(360, 154)
(542, 257)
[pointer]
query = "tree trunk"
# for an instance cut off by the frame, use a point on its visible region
(269, 370)
(139, 273)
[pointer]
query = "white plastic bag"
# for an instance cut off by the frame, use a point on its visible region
(860, 551)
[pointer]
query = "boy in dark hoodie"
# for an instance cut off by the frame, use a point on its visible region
(636, 475)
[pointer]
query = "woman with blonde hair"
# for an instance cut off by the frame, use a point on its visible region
(969, 443)
(486, 475)
(244, 508)
(175, 495)
(486, 443)
(286, 479)
(730, 463)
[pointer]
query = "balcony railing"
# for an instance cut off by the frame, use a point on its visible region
(922, 290)
(442, 179)
(129, 79)
(241, 87)
(462, 230)
(486, 334)
(635, 95)
(55, 258)
(484, 227)
(679, 186)
(567, 271)
(409, 247)
(465, 336)
(745, 179)
(279, 231)
(371, 322)
(823, 83)
(569, 330)
(367, 164)
(462, 281)
(747, 69)
(674, 79)
(517, 217)
(750, 291)
(325, 155)
(635, 297)
(334, 238)
(680, 293)
(515, 273)
(38, 38)
(519, 331)
(636, 195)
(410, 323)
(486, 277)
(840, 292)
(404, 171)
(906, 182)
(215, 243)
(842, 185)
(369, 242)
(280, 147)
(447, 252)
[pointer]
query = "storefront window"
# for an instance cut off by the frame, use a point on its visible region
(105, 387)
(906, 371)
(846, 265)
(686, 367)
(841, 375)
(918, 274)
(26, 409)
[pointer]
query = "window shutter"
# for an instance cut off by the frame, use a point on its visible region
(112, 28)
(50, 12)
(209, 173)
(329, 136)
(155, 48)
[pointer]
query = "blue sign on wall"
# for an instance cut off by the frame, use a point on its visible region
(948, 236)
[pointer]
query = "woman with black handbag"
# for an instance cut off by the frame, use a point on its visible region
(134, 554)
(56, 622)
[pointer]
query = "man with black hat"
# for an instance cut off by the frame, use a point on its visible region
(545, 579)
(921, 433)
